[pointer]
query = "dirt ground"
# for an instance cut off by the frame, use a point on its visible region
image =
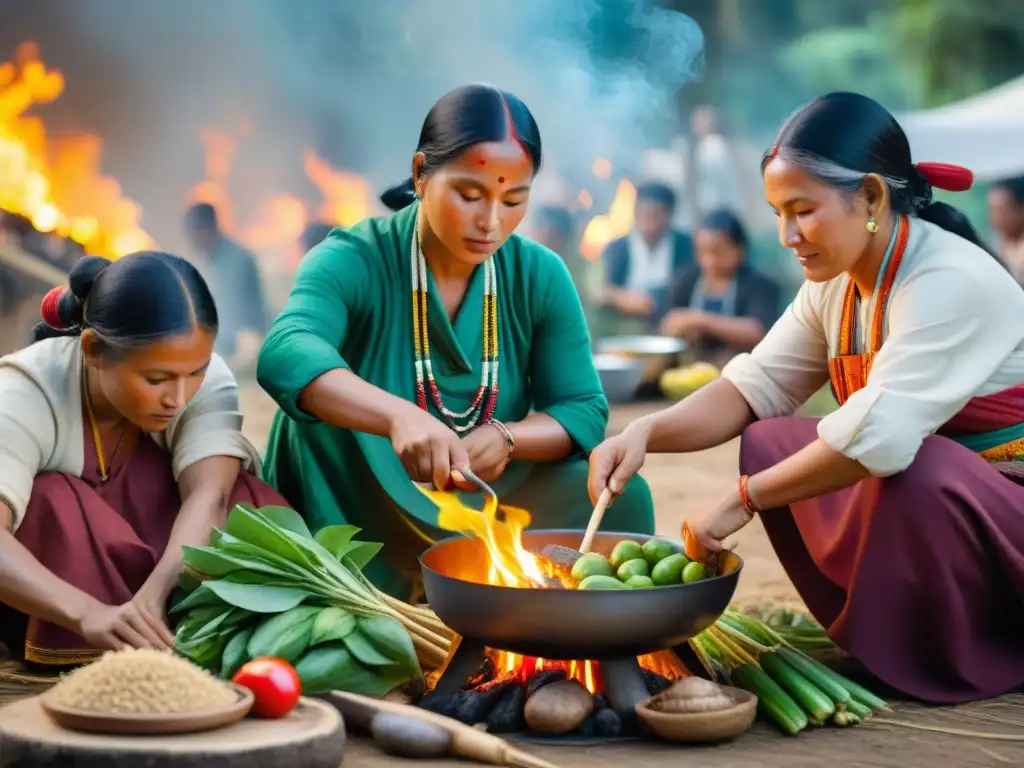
(684, 484)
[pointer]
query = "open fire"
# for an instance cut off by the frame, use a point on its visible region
(57, 185)
(497, 691)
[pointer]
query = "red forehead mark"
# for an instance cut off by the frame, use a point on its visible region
(501, 179)
(481, 162)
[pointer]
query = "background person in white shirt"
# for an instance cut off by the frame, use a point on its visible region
(904, 509)
(639, 268)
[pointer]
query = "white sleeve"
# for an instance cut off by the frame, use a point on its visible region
(788, 366)
(948, 333)
(27, 436)
(211, 424)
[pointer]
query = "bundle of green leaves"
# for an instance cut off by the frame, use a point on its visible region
(265, 586)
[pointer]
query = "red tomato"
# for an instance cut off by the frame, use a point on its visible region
(274, 684)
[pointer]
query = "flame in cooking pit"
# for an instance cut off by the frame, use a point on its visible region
(500, 528)
(58, 185)
(605, 227)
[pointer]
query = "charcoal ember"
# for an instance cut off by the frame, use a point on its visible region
(485, 673)
(601, 702)
(480, 702)
(543, 678)
(607, 723)
(588, 728)
(435, 703)
(655, 683)
(452, 705)
(507, 715)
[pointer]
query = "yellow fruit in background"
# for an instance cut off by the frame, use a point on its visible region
(677, 383)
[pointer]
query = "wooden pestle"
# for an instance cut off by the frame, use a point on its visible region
(466, 741)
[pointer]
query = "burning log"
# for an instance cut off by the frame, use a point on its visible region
(482, 700)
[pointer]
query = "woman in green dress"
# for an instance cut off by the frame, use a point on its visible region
(435, 339)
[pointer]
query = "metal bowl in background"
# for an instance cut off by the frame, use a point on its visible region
(657, 353)
(620, 376)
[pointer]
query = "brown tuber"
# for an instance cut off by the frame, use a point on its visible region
(558, 708)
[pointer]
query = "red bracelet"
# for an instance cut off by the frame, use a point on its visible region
(748, 503)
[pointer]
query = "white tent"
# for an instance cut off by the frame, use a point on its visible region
(984, 132)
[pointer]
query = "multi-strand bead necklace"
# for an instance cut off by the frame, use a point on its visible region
(481, 410)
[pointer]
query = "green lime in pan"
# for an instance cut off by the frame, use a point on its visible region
(630, 568)
(694, 571)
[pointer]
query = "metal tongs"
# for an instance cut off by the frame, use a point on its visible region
(467, 475)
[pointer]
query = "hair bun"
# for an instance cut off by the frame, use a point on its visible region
(83, 276)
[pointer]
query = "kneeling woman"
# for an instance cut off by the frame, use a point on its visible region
(388, 356)
(900, 516)
(120, 441)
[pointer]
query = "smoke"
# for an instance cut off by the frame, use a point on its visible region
(353, 80)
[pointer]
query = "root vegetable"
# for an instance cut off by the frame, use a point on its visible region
(559, 707)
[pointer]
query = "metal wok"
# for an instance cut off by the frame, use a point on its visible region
(568, 624)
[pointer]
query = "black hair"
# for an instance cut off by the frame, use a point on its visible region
(1014, 185)
(656, 192)
(131, 302)
(201, 217)
(469, 115)
(314, 234)
(842, 137)
(725, 221)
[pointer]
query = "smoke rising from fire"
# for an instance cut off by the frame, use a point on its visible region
(353, 80)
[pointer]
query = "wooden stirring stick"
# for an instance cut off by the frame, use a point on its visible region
(595, 520)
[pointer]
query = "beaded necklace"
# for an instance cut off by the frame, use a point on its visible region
(481, 410)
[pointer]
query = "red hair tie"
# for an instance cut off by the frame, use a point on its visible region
(952, 178)
(49, 309)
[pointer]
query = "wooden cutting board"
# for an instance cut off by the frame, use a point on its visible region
(312, 735)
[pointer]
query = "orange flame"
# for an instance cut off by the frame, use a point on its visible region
(58, 187)
(605, 227)
(500, 528)
(346, 198)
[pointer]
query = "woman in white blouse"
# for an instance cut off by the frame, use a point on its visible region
(903, 508)
(120, 442)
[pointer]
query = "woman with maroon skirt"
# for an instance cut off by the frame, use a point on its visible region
(900, 516)
(120, 442)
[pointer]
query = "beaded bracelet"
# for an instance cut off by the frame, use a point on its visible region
(506, 433)
(748, 503)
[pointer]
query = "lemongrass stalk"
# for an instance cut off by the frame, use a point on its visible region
(704, 658)
(737, 651)
(742, 640)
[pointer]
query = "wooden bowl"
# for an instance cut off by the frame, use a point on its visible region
(720, 725)
(147, 724)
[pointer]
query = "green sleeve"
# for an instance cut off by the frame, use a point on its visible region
(304, 341)
(563, 380)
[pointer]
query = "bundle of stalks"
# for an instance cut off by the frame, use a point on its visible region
(793, 689)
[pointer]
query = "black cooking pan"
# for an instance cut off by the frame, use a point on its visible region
(565, 623)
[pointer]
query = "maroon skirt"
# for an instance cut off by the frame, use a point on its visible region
(918, 576)
(105, 539)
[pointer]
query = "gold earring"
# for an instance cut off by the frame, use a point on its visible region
(872, 225)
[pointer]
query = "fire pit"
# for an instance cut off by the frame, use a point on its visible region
(622, 646)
